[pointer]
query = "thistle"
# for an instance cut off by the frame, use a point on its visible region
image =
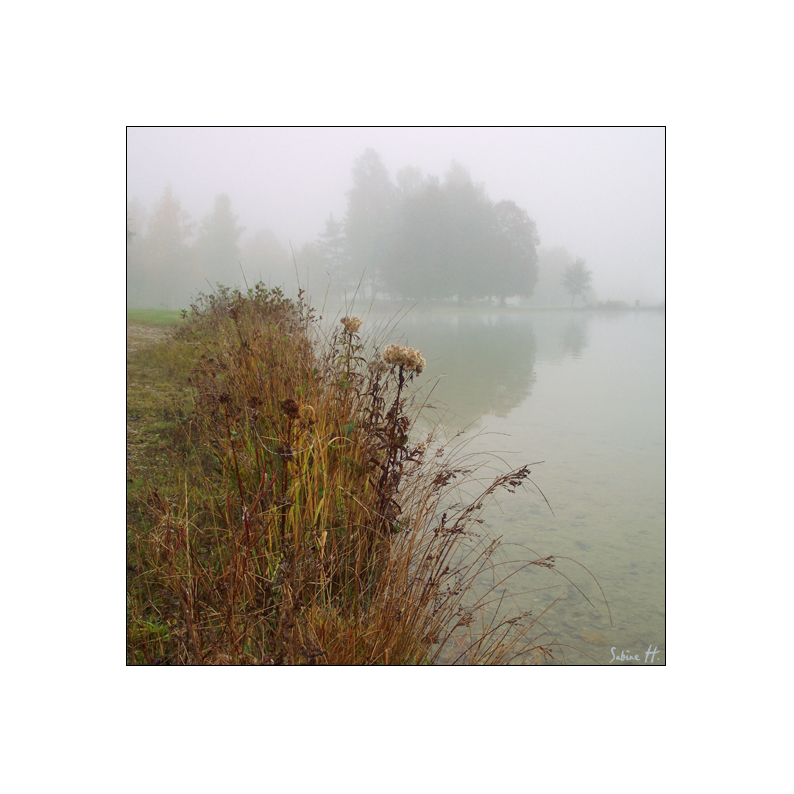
(406, 357)
(351, 324)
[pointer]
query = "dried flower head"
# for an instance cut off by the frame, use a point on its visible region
(352, 324)
(290, 408)
(377, 367)
(401, 356)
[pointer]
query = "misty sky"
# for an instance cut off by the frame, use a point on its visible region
(600, 192)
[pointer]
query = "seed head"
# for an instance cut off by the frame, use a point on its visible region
(407, 357)
(352, 324)
(290, 408)
(377, 367)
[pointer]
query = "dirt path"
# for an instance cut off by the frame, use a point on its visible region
(141, 335)
(147, 395)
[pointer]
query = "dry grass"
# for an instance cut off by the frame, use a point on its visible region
(300, 520)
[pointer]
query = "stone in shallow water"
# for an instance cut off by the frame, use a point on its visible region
(594, 638)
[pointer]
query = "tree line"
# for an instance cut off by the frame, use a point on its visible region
(170, 257)
(418, 238)
(424, 238)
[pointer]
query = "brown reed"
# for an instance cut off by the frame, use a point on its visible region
(307, 524)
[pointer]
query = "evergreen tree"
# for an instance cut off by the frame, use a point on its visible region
(409, 182)
(136, 260)
(217, 247)
(369, 220)
(169, 274)
(332, 249)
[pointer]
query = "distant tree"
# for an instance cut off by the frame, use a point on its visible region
(515, 270)
(169, 272)
(577, 279)
(418, 263)
(217, 246)
(428, 239)
(469, 236)
(136, 258)
(332, 249)
(369, 220)
(136, 217)
(311, 268)
(452, 240)
(552, 263)
(264, 258)
(457, 175)
(409, 181)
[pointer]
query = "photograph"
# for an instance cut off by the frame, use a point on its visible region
(395, 396)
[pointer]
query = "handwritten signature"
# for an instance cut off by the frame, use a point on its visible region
(627, 656)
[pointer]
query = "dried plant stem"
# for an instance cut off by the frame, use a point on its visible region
(312, 528)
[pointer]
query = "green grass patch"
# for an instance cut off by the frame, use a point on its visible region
(156, 318)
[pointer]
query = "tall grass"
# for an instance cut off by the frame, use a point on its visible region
(305, 521)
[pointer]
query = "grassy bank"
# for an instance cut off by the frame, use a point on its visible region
(282, 511)
(155, 318)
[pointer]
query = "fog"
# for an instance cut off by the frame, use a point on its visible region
(597, 192)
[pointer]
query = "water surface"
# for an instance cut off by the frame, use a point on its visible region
(584, 393)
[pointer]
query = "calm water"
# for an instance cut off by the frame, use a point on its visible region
(584, 393)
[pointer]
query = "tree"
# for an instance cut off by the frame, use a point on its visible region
(369, 220)
(332, 249)
(217, 247)
(452, 240)
(409, 181)
(427, 239)
(311, 269)
(169, 273)
(515, 269)
(136, 259)
(577, 279)
(418, 261)
(470, 235)
(552, 263)
(264, 258)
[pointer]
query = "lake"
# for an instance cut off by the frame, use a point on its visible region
(583, 392)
